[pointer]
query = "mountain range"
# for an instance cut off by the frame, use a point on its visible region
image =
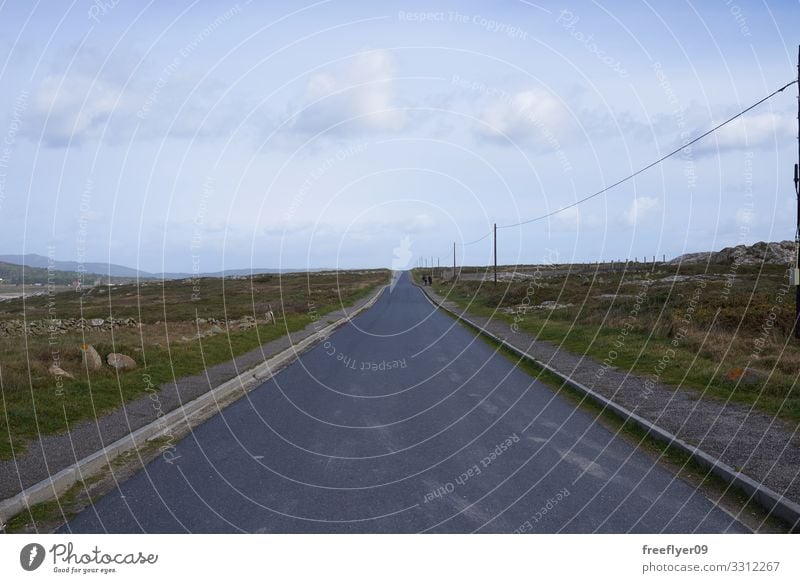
(115, 270)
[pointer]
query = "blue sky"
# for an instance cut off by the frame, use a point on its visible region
(207, 135)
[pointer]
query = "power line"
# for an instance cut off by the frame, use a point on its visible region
(475, 241)
(643, 169)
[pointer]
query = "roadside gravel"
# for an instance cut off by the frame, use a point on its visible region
(47, 455)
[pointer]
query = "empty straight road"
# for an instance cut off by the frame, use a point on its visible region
(404, 421)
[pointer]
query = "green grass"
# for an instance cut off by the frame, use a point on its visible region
(726, 323)
(34, 404)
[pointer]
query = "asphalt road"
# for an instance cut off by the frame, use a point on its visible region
(404, 421)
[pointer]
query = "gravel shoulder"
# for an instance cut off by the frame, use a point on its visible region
(762, 447)
(47, 455)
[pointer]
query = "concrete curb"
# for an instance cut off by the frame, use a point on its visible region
(775, 504)
(186, 417)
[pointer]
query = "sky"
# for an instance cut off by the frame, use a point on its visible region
(204, 135)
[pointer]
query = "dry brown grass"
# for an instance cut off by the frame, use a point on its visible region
(742, 321)
(164, 346)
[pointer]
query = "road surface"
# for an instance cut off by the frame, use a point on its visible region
(404, 421)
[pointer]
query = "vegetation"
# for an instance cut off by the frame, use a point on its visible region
(13, 274)
(165, 345)
(697, 326)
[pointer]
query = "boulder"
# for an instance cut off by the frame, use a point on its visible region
(57, 371)
(215, 330)
(91, 359)
(97, 321)
(120, 361)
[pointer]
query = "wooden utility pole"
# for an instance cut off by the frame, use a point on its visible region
(495, 253)
(454, 261)
(794, 278)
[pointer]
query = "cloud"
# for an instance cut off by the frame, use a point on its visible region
(640, 207)
(533, 116)
(361, 97)
(362, 230)
(575, 218)
(96, 100)
(71, 108)
(417, 224)
(757, 131)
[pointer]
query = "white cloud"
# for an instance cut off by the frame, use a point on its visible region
(757, 131)
(72, 108)
(417, 224)
(361, 230)
(576, 217)
(94, 101)
(363, 90)
(640, 208)
(533, 116)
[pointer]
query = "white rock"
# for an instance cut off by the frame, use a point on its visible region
(120, 361)
(91, 359)
(57, 371)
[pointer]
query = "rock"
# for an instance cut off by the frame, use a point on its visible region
(97, 322)
(57, 371)
(745, 376)
(215, 330)
(781, 253)
(91, 360)
(120, 361)
(551, 305)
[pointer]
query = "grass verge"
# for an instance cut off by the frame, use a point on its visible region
(228, 316)
(698, 327)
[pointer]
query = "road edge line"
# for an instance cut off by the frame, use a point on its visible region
(192, 414)
(773, 503)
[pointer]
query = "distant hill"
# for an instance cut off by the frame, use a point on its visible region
(33, 260)
(781, 253)
(39, 261)
(12, 274)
